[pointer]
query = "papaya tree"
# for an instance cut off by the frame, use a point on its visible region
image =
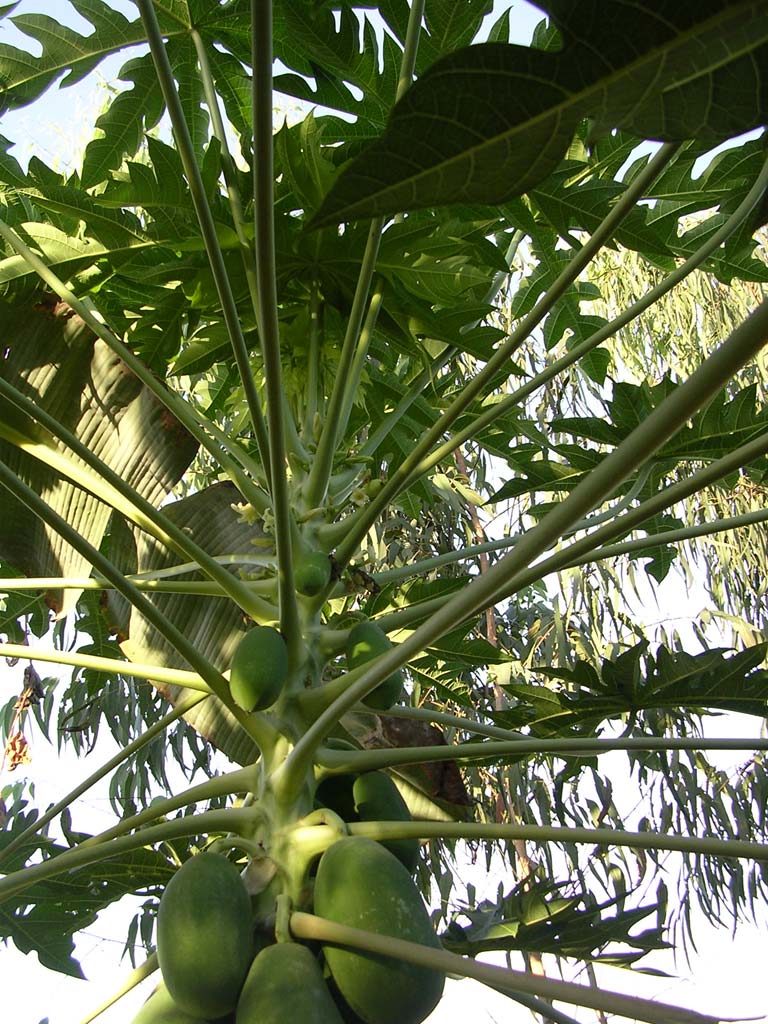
(260, 388)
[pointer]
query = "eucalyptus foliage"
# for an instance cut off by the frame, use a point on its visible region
(461, 289)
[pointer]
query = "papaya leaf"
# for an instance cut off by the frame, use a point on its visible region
(217, 624)
(491, 121)
(46, 916)
(70, 55)
(53, 357)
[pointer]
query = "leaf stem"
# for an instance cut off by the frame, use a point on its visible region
(141, 973)
(236, 208)
(588, 548)
(108, 486)
(357, 338)
(322, 464)
(312, 403)
(259, 730)
(357, 529)
(504, 408)
(308, 926)
(341, 762)
(206, 222)
(263, 189)
(184, 412)
(152, 673)
(242, 780)
(231, 819)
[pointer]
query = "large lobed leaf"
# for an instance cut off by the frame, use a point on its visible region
(52, 357)
(490, 121)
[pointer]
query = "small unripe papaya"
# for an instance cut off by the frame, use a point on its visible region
(377, 798)
(285, 983)
(312, 573)
(365, 642)
(259, 669)
(205, 936)
(161, 1009)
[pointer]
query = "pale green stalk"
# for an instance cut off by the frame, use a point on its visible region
(744, 342)
(242, 780)
(313, 394)
(258, 729)
(152, 673)
(141, 973)
(321, 836)
(240, 460)
(266, 277)
(361, 523)
(236, 208)
(322, 461)
(545, 1010)
(207, 225)
(442, 718)
(193, 587)
(110, 488)
(426, 378)
(185, 413)
(424, 565)
(235, 819)
(700, 847)
(319, 929)
(356, 341)
(53, 812)
(360, 355)
(671, 537)
(344, 761)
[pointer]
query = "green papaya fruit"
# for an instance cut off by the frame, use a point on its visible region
(365, 642)
(259, 669)
(312, 573)
(285, 983)
(361, 884)
(335, 793)
(377, 798)
(205, 936)
(346, 1012)
(161, 1009)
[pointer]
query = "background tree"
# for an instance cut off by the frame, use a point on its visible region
(275, 380)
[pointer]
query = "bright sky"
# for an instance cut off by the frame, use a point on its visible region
(726, 972)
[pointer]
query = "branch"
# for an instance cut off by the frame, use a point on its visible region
(308, 926)
(206, 222)
(269, 327)
(399, 479)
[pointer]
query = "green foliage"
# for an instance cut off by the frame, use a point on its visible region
(355, 390)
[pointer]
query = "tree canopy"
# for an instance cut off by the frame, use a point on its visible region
(293, 377)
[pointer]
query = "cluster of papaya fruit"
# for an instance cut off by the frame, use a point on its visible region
(259, 666)
(214, 971)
